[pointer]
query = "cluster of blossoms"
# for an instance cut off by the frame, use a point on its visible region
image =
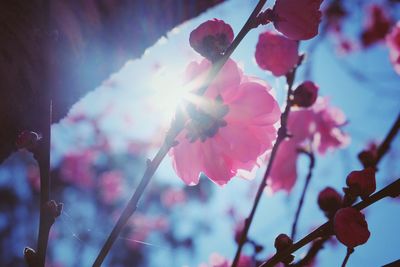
(317, 127)
(349, 224)
(232, 125)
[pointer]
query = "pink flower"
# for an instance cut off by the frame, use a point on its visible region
(350, 227)
(284, 173)
(305, 94)
(227, 129)
(111, 186)
(328, 121)
(319, 126)
(276, 53)
(377, 26)
(362, 183)
(297, 19)
(393, 43)
(211, 38)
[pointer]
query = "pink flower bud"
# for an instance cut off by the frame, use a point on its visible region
(350, 227)
(329, 200)
(276, 53)
(297, 19)
(211, 38)
(305, 94)
(362, 183)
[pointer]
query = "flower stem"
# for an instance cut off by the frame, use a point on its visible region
(303, 194)
(42, 156)
(282, 134)
(175, 129)
(348, 253)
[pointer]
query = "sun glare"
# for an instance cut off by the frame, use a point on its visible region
(169, 90)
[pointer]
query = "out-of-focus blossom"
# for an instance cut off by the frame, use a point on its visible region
(297, 19)
(350, 227)
(318, 126)
(276, 53)
(227, 129)
(211, 38)
(334, 14)
(393, 42)
(284, 173)
(328, 121)
(172, 196)
(376, 27)
(76, 168)
(329, 201)
(111, 186)
(33, 175)
(142, 226)
(217, 260)
(305, 94)
(362, 183)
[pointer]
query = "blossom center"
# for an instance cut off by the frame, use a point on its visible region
(205, 119)
(215, 45)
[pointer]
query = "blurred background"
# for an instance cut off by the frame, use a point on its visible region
(99, 151)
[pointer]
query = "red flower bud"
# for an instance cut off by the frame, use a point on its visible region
(329, 200)
(362, 183)
(305, 94)
(350, 227)
(211, 38)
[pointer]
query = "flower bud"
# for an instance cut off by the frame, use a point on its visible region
(27, 140)
(329, 200)
(282, 242)
(305, 94)
(53, 209)
(30, 256)
(350, 227)
(362, 183)
(211, 38)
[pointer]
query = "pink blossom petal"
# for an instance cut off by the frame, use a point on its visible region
(283, 174)
(188, 160)
(253, 105)
(297, 19)
(276, 53)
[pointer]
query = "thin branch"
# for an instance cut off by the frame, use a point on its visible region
(176, 127)
(392, 190)
(282, 134)
(303, 194)
(42, 156)
(316, 246)
(385, 145)
(382, 149)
